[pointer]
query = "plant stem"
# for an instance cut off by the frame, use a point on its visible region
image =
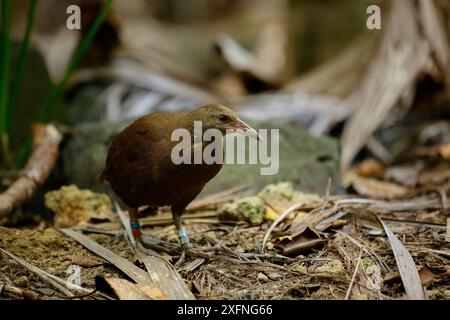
(21, 63)
(75, 61)
(58, 89)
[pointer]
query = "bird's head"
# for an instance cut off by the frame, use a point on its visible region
(216, 116)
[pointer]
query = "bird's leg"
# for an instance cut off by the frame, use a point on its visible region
(184, 238)
(134, 224)
(143, 244)
(182, 233)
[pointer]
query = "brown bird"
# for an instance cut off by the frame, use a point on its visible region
(140, 169)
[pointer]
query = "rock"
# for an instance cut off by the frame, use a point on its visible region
(72, 206)
(306, 161)
(262, 277)
(86, 152)
(250, 209)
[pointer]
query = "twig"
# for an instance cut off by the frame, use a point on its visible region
(349, 290)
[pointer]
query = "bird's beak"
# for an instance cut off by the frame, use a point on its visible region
(248, 131)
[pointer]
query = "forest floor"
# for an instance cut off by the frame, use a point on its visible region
(329, 248)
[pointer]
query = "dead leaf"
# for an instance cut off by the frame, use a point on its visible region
(300, 244)
(427, 276)
(406, 266)
(152, 292)
(302, 247)
(126, 290)
(84, 261)
(436, 174)
(338, 223)
(392, 276)
(377, 189)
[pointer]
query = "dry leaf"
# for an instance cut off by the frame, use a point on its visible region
(152, 292)
(406, 266)
(377, 189)
(436, 174)
(427, 276)
(392, 276)
(85, 261)
(126, 290)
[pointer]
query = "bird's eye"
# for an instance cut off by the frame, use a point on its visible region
(223, 118)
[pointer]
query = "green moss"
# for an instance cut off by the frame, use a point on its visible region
(250, 209)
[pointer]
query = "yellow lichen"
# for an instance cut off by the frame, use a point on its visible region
(72, 206)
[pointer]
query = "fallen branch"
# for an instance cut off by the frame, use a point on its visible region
(46, 139)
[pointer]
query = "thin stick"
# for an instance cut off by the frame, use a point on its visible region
(349, 290)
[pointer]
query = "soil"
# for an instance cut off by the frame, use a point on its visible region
(322, 273)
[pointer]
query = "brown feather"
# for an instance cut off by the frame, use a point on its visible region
(139, 166)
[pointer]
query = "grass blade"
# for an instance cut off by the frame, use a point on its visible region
(58, 89)
(75, 61)
(21, 63)
(406, 266)
(131, 270)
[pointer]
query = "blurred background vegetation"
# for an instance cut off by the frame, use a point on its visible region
(338, 91)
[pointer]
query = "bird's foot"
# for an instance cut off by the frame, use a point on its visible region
(187, 250)
(193, 252)
(184, 238)
(186, 245)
